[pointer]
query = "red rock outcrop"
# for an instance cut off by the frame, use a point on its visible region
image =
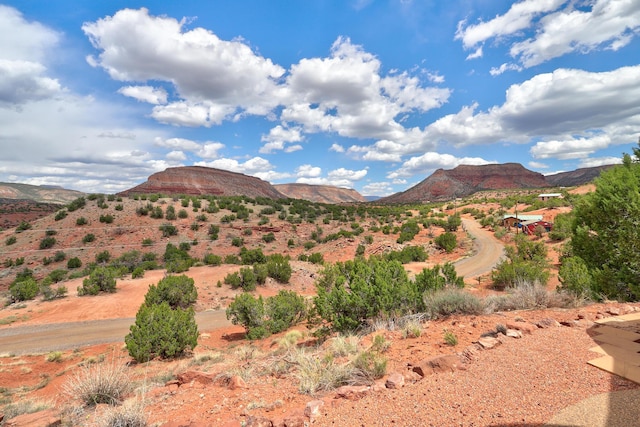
(320, 193)
(465, 180)
(200, 180)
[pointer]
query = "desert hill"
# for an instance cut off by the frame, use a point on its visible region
(200, 180)
(320, 193)
(37, 193)
(576, 177)
(465, 180)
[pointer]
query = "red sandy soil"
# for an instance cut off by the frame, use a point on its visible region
(522, 382)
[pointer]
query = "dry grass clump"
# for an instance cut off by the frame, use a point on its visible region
(344, 345)
(529, 295)
(99, 383)
(22, 407)
(452, 301)
(129, 414)
(320, 373)
(412, 329)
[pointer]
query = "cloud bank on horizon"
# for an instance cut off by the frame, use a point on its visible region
(371, 95)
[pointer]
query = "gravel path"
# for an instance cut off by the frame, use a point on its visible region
(65, 336)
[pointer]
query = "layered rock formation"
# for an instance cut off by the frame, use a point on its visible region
(199, 180)
(320, 193)
(465, 180)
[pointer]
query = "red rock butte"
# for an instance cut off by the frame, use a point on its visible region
(200, 180)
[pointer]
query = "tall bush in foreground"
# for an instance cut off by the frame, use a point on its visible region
(160, 331)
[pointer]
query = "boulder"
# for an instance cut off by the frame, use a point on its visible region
(443, 363)
(351, 392)
(547, 322)
(524, 327)
(46, 418)
(395, 380)
(488, 343)
(313, 409)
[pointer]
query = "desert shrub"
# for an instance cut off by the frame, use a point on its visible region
(98, 383)
(350, 293)
(309, 245)
(57, 275)
(76, 204)
(316, 258)
(81, 221)
(23, 290)
(177, 291)
(47, 242)
(107, 219)
(103, 257)
(526, 262)
(269, 237)
(74, 263)
(101, 279)
(284, 310)
(252, 256)
(168, 230)
(23, 226)
(170, 215)
(237, 241)
(211, 259)
(575, 277)
(88, 238)
(232, 259)
(19, 261)
(10, 240)
(450, 301)
(278, 268)
(156, 213)
(160, 331)
(407, 254)
(214, 231)
(119, 207)
(291, 243)
(437, 278)
(137, 273)
(147, 242)
(408, 230)
(59, 256)
(261, 318)
(50, 232)
(447, 241)
(370, 365)
(360, 250)
(60, 215)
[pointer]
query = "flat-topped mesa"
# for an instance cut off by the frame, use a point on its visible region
(200, 180)
(465, 180)
(320, 193)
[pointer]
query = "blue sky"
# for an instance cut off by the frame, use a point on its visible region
(366, 94)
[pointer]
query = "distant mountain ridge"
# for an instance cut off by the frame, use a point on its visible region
(38, 193)
(320, 193)
(576, 177)
(465, 180)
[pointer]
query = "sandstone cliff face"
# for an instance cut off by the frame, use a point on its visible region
(320, 193)
(199, 180)
(465, 180)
